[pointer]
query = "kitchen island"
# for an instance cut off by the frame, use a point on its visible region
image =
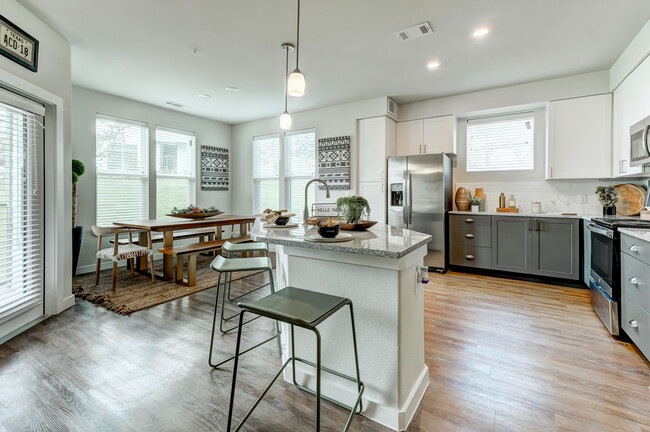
(378, 271)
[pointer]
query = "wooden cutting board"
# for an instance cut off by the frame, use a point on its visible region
(630, 199)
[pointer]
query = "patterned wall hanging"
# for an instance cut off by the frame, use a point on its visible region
(334, 162)
(215, 168)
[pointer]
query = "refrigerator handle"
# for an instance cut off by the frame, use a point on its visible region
(410, 197)
(405, 205)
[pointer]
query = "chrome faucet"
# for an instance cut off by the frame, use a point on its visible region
(306, 212)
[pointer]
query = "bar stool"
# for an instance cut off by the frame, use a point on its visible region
(227, 267)
(228, 249)
(305, 309)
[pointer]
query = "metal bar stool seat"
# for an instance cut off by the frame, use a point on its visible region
(305, 309)
(226, 267)
(228, 249)
(231, 248)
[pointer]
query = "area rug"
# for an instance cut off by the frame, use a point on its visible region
(137, 293)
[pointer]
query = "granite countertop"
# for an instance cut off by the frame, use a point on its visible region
(642, 234)
(381, 240)
(521, 214)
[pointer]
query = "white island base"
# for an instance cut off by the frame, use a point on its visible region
(389, 315)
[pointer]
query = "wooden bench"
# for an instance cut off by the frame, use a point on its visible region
(192, 250)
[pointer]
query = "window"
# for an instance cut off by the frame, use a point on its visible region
(122, 170)
(501, 143)
(21, 210)
(266, 173)
(300, 167)
(175, 179)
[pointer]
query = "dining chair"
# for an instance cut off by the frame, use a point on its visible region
(118, 252)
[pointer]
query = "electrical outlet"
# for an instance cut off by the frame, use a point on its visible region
(582, 199)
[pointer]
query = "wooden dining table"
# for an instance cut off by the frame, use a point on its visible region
(167, 226)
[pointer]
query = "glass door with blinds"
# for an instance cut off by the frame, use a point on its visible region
(21, 211)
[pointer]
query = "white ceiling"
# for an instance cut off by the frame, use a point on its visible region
(141, 49)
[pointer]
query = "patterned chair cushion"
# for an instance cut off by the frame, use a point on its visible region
(124, 252)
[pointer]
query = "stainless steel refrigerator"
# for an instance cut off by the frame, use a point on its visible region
(419, 196)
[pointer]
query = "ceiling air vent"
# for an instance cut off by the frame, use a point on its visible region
(417, 31)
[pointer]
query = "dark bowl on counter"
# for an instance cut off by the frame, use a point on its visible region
(282, 220)
(329, 232)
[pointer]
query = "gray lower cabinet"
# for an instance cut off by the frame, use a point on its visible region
(556, 248)
(535, 246)
(635, 298)
(512, 240)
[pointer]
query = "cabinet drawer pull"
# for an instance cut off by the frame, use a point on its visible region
(634, 248)
(469, 235)
(634, 281)
(634, 324)
(469, 220)
(469, 257)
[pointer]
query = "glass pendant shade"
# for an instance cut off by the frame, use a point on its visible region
(296, 84)
(285, 121)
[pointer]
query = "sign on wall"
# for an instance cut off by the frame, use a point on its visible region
(18, 45)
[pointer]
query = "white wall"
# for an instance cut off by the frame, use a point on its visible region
(51, 84)
(340, 120)
(86, 105)
(635, 53)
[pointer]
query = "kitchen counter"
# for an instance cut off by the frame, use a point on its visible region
(378, 271)
(641, 234)
(521, 214)
(380, 240)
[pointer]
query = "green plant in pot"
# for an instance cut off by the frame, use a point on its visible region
(607, 198)
(353, 208)
(474, 202)
(78, 169)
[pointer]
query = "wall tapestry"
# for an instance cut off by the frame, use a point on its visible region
(215, 168)
(334, 162)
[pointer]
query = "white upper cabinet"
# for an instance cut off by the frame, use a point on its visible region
(579, 144)
(428, 136)
(409, 137)
(439, 135)
(376, 143)
(631, 104)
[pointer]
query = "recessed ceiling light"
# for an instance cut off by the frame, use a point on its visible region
(176, 104)
(433, 65)
(232, 89)
(205, 96)
(480, 32)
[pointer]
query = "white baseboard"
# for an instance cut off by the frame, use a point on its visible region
(345, 391)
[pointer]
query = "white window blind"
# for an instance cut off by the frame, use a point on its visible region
(266, 173)
(175, 173)
(300, 167)
(122, 170)
(21, 210)
(501, 143)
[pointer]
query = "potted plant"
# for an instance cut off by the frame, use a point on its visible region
(474, 202)
(353, 208)
(607, 198)
(78, 169)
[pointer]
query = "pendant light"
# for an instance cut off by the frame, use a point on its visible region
(285, 118)
(296, 82)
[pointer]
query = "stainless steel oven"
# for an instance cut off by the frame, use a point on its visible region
(604, 274)
(640, 143)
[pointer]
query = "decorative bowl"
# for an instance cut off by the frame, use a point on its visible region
(282, 220)
(329, 232)
(360, 226)
(195, 215)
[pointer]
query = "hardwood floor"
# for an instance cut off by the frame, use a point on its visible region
(503, 355)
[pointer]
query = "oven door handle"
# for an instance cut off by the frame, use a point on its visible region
(602, 231)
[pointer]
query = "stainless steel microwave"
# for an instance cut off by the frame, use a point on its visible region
(639, 144)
